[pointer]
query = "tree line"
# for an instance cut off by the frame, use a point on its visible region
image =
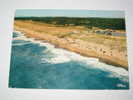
(111, 23)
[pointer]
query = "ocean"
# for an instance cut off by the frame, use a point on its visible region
(36, 64)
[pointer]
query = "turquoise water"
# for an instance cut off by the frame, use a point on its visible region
(41, 65)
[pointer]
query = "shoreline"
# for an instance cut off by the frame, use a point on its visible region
(78, 47)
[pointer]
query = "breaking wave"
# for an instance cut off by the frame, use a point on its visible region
(63, 56)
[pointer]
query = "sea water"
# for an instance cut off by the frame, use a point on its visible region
(35, 64)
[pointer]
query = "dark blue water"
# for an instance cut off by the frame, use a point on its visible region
(41, 65)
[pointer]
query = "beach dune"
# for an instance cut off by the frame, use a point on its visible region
(109, 49)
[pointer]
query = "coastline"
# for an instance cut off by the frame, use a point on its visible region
(78, 46)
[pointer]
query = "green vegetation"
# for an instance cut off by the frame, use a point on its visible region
(104, 23)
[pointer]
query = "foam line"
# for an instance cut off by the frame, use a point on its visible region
(62, 56)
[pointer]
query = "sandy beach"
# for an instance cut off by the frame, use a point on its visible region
(109, 49)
